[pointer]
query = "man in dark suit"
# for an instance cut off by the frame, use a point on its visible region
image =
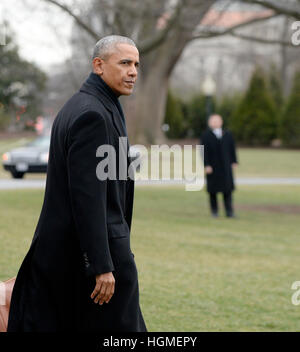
(219, 160)
(80, 273)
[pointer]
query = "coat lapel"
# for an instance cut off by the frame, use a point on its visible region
(107, 102)
(119, 125)
(108, 105)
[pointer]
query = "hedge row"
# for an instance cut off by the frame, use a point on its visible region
(257, 117)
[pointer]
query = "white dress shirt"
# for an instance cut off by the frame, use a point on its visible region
(218, 132)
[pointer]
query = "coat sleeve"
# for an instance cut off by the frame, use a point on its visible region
(88, 194)
(232, 150)
(206, 152)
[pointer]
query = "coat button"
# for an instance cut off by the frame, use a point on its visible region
(86, 260)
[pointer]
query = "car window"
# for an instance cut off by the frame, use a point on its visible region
(40, 142)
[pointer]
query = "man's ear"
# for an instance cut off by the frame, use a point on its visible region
(98, 66)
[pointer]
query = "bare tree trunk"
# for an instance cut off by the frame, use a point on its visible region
(145, 109)
(283, 56)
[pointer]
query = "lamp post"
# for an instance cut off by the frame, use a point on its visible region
(209, 89)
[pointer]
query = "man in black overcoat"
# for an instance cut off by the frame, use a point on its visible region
(79, 273)
(219, 160)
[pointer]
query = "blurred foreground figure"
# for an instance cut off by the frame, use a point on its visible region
(80, 273)
(219, 158)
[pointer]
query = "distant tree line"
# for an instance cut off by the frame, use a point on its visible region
(21, 87)
(259, 117)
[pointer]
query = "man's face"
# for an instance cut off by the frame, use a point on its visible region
(119, 69)
(215, 121)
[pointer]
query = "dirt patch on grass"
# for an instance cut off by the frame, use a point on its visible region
(271, 208)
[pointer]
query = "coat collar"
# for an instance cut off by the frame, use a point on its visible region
(96, 86)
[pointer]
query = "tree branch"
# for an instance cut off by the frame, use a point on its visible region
(161, 35)
(210, 33)
(223, 11)
(231, 31)
(76, 18)
(261, 40)
(119, 23)
(278, 9)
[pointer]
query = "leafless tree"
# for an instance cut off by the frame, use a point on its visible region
(162, 30)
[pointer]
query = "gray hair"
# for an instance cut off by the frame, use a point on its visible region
(105, 45)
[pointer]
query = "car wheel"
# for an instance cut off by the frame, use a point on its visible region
(17, 174)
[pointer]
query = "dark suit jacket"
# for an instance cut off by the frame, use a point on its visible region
(219, 154)
(83, 229)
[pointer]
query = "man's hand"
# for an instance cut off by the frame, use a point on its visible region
(234, 165)
(104, 289)
(208, 170)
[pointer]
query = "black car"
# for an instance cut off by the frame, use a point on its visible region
(31, 158)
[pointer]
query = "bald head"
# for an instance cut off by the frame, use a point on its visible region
(215, 121)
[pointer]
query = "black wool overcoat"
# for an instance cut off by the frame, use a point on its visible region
(219, 154)
(83, 229)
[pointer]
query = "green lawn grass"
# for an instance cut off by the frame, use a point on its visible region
(260, 162)
(196, 273)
